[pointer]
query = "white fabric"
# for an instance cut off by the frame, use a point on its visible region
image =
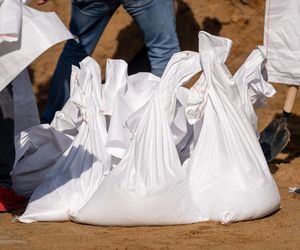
(282, 40)
(82, 167)
(222, 175)
(183, 132)
(149, 186)
(10, 20)
(251, 79)
(37, 149)
(116, 78)
(133, 93)
(25, 108)
(190, 113)
(228, 174)
(39, 32)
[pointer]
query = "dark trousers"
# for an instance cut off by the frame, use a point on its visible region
(7, 147)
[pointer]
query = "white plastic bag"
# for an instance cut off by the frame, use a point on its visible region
(193, 103)
(183, 132)
(10, 20)
(85, 163)
(37, 149)
(40, 147)
(148, 186)
(251, 79)
(228, 174)
(134, 92)
(116, 78)
(282, 41)
(39, 32)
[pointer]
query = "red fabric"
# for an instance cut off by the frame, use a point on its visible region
(9, 200)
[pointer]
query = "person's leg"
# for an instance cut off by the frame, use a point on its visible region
(275, 137)
(7, 146)
(88, 20)
(290, 100)
(9, 200)
(156, 19)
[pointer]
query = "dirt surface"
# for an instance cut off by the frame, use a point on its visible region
(243, 23)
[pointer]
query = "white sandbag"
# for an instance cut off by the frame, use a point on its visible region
(37, 149)
(148, 186)
(228, 175)
(39, 32)
(136, 90)
(10, 20)
(40, 147)
(83, 167)
(282, 41)
(251, 79)
(25, 108)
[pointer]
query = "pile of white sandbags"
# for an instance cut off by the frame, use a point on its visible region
(144, 150)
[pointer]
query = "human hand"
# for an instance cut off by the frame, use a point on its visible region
(40, 2)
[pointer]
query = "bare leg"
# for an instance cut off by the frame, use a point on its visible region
(290, 98)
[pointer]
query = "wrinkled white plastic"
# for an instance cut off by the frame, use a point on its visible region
(37, 149)
(148, 186)
(39, 31)
(282, 40)
(116, 78)
(228, 174)
(133, 92)
(40, 147)
(81, 168)
(23, 36)
(222, 174)
(10, 20)
(251, 79)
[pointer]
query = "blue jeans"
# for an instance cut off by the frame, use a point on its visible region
(155, 18)
(7, 146)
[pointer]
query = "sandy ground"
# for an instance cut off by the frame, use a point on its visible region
(243, 23)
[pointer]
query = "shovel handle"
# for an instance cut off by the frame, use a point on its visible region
(290, 98)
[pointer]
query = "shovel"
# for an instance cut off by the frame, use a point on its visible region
(274, 138)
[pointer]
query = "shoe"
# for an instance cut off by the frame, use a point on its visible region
(9, 200)
(274, 138)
